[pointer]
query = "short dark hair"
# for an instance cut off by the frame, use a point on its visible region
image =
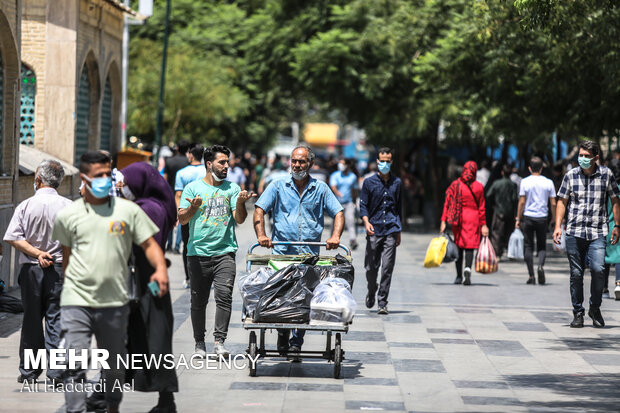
(385, 149)
(536, 163)
(507, 170)
(590, 146)
(211, 151)
(197, 152)
(92, 157)
(183, 146)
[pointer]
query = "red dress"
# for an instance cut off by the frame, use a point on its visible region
(473, 216)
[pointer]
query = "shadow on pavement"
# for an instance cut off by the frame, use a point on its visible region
(585, 344)
(597, 392)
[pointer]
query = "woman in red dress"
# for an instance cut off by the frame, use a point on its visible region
(464, 211)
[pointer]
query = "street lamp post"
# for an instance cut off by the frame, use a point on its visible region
(162, 84)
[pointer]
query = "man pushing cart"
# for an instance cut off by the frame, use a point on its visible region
(298, 205)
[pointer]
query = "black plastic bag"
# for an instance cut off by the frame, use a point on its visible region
(452, 251)
(343, 269)
(10, 304)
(287, 294)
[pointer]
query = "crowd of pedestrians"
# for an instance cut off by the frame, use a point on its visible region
(77, 257)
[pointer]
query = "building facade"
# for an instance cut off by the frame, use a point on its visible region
(60, 93)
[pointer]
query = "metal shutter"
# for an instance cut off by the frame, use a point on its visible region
(82, 116)
(28, 92)
(106, 116)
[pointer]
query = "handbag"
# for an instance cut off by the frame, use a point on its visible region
(452, 250)
(515, 245)
(486, 260)
(435, 252)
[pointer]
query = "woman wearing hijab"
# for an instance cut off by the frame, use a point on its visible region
(464, 211)
(151, 320)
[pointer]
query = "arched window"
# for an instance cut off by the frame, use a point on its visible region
(83, 115)
(28, 92)
(106, 116)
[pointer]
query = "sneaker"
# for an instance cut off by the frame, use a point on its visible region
(577, 321)
(541, 276)
(597, 318)
(200, 350)
(467, 274)
(282, 344)
(172, 408)
(294, 358)
(185, 284)
(96, 402)
(382, 310)
(353, 245)
(531, 280)
(606, 293)
(220, 350)
(458, 280)
(617, 291)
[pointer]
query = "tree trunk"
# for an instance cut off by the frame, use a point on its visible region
(434, 166)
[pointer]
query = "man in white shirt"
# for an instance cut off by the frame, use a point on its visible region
(535, 194)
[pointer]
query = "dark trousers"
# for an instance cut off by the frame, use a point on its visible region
(40, 288)
(469, 260)
(380, 252)
(185, 238)
(501, 227)
(218, 271)
(534, 227)
(577, 249)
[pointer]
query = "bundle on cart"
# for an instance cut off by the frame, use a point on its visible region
(342, 269)
(251, 286)
(287, 294)
(332, 302)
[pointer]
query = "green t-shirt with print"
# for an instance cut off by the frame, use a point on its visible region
(100, 238)
(212, 228)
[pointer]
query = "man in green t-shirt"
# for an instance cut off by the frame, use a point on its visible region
(212, 205)
(96, 233)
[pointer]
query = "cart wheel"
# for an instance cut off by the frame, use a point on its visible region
(253, 353)
(337, 357)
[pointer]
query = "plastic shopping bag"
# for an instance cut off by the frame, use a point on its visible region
(251, 286)
(486, 260)
(515, 245)
(436, 252)
(452, 251)
(562, 246)
(332, 302)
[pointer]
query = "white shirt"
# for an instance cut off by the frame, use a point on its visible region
(33, 221)
(483, 176)
(537, 190)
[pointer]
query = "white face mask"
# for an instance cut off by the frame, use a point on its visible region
(342, 167)
(127, 194)
(215, 177)
(35, 187)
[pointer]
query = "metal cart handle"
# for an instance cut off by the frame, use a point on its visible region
(309, 243)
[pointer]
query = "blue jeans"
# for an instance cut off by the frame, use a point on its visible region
(577, 250)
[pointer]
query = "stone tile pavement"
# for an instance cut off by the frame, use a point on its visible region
(496, 346)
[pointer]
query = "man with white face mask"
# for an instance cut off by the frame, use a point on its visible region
(585, 190)
(211, 206)
(380, 208)
(96, 233)
(298, 205)
(344, 184)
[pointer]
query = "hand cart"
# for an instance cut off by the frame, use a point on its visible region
(258, 348)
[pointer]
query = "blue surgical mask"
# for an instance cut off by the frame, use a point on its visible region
(584, 162)
(99, 187)
(384, 167)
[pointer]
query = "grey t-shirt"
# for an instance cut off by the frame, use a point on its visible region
(33, 221)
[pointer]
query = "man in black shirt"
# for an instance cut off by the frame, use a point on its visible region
(172, 166)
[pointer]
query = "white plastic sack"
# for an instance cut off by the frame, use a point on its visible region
(562, 246)
(515, 245)
(332, 302)
(251, 286)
